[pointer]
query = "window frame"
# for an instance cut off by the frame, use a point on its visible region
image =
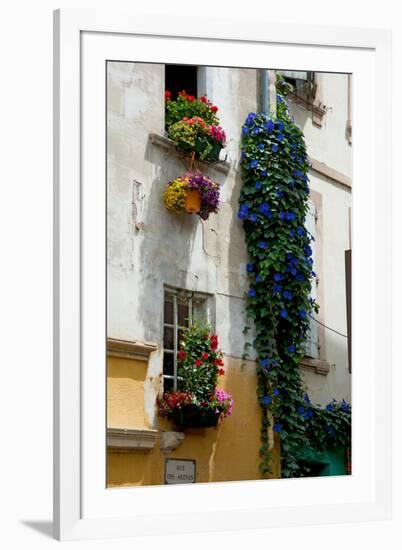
(191, 297)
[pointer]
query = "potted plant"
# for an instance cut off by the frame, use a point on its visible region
(197, 403)
(194, 193)
(194, 126)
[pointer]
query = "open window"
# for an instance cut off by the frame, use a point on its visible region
(181, 308)
(306, 92)
(181, 77)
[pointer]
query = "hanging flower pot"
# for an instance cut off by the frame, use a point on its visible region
(193, 193)
(192, 201)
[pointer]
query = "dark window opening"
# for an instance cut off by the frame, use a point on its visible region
(179, 78)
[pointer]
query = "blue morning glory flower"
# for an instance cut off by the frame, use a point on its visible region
(258, 185)
(250, 118)
(345, 406)
(265, 209)
(299, 277)
(245, 131)
(243, 212)
(250, 268)
(280, 137)
(308, 414)
(277, 428)
(300, 231)
(306, 398)
(258, 279)
(276, 392)
(278, 277)
(262, 245)
(303, 313)
(253, 217)
(290, 216)
(280, 126)
(264, 362)
(251, 293)
(264, 173)
(253, 164)
(329, 407)
(280, 194)
(282, 215)
(266, 400)
(269, 126)
(283, 313)
(308, 250)
(261, 146)
(292, 234)
(279, 98)
(277, 289)
(256, 130)
(243, 154)
(298, 174)
(274, 148)
(313, 274)
(292, 348)
(288, 295)
(300, 410)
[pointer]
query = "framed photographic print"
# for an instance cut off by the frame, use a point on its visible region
(205, 187)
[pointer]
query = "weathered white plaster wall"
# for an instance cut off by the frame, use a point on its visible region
(149, 246)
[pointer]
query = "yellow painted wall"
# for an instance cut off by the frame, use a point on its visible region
(125, 392)
(228, 452)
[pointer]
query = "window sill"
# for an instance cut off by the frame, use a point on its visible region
(125, 440)
(168, 145)
(130, 350)
(318, 366)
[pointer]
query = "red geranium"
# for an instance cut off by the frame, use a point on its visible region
(182, 355)
(203, 99)
(214, 108)
(214, 341)
(221, 372)
(205, 356)
(198, 363)
(168, 95)
(218, 362)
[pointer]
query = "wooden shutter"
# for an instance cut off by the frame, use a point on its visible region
(312, 344)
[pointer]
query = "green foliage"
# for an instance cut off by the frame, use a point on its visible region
(199, 362)
(194, 126)
(184, 107)
(273, 206)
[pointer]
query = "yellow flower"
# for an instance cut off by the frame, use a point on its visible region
(175, 194)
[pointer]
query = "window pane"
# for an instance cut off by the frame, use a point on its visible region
(168, 339)
(168, 363)
(200, 311)
(168, 384)
(168, 310)
(182, 314)
(180, 334)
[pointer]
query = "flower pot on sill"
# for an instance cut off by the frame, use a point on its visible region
(191, 416)
(192, 201)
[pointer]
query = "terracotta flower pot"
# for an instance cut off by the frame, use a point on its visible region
(192, 202)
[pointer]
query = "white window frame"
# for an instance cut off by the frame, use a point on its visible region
(191, 297)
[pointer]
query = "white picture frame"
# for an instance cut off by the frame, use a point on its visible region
(83, 507)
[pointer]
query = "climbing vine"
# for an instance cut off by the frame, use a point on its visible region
(273, 204)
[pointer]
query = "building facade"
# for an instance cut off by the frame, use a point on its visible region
(163, 268)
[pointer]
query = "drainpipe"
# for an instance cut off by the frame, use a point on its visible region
(264, 98)
(268, 92)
